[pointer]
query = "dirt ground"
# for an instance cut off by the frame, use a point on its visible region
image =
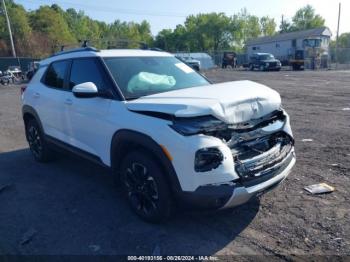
(71, 206)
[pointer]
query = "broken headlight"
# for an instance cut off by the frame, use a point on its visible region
(195, 125)
(207, 159)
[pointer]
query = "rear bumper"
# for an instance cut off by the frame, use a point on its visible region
(296, 62)
(232, 194)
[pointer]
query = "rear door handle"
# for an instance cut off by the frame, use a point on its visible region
(36, 95)
(68, 102)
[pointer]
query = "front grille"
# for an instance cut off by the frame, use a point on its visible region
(268, 174)
(259, 150)
(259, 161)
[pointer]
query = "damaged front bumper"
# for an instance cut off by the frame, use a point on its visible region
(242, 194)
(263, 156)
(228, 195)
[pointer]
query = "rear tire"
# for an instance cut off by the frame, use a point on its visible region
(37, 144)
(145, 187)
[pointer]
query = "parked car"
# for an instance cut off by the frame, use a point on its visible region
(190, 61)
(264, 62)
(16, 74)
(15, 70)
(167, 133)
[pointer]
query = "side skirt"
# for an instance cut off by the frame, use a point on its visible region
(64, 147)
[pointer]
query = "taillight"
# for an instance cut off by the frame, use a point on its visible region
(23, 89)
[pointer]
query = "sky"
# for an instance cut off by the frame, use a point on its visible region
(168, 13)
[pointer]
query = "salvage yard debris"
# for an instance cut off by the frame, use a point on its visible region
(334, 164)
(319, 188)
(307, 140)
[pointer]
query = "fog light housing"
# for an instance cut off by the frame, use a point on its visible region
(207, 159)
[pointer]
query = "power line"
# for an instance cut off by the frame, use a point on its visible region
(111, 10)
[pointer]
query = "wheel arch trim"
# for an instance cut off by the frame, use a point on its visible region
(130, 136)
(26, 109)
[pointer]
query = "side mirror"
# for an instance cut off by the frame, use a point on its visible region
(85, 90)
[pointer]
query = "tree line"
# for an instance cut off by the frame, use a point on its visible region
(41, 32)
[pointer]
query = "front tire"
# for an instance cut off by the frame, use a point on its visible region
(145, 187)
(37, 144)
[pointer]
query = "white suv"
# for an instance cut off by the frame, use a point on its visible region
(168, 134)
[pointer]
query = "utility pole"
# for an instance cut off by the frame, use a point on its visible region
(9, 29)
(336, 44)
(282, 24)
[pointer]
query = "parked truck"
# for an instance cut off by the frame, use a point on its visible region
(312, 55)
(229, 59)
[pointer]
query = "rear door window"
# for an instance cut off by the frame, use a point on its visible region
(56, 74)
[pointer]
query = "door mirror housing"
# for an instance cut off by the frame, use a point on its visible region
(85, 90)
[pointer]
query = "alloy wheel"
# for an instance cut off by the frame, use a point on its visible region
(141, 189)
(34, 141)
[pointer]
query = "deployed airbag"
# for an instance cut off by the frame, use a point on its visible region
(145, 81)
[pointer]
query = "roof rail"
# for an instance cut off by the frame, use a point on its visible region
(81, 49)
(122, 43)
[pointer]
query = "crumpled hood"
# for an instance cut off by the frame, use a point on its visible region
(232, 102)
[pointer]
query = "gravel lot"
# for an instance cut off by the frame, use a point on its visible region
(71, 206)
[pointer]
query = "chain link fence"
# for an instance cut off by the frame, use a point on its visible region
(22, 62)
(217, 56)
(340, 60)
(216, 59)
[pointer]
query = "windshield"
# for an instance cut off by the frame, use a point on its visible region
(267, 57)
(142, 76)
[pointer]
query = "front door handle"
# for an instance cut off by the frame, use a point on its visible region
(36, 95)
(68, 102)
